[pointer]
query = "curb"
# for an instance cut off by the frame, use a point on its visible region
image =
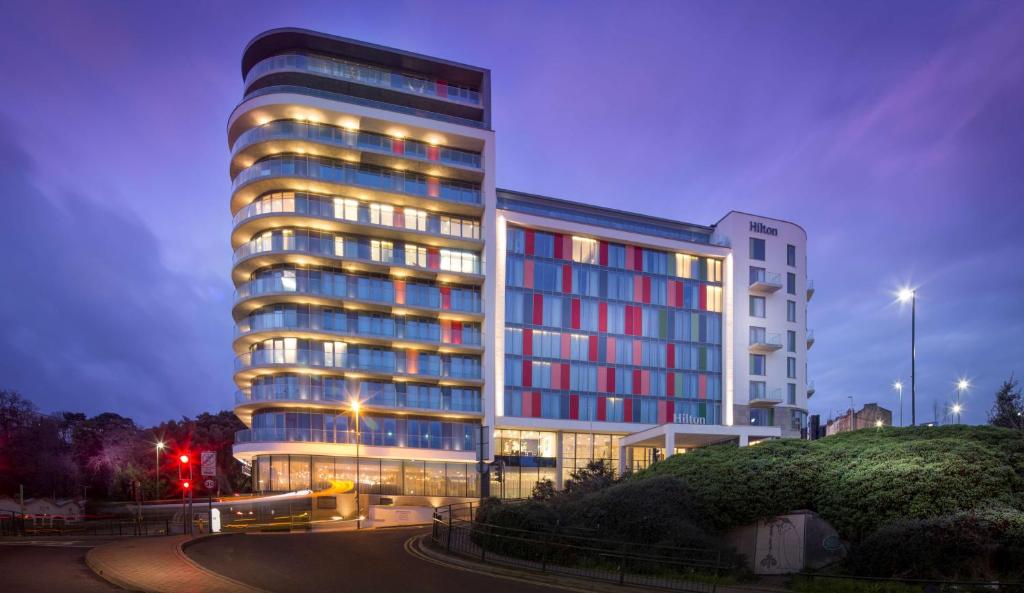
(221, 582)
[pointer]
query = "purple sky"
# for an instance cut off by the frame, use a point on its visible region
(893, 133)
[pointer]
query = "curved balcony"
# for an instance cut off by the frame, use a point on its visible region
(247, 365)
(310, 173)
(340, 69)
(348, 215)
(300, 250)
(290, 136)
(394, 331)
(348, 437)
(444, 403)
(765, 343)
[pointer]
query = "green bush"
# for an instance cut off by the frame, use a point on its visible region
(856, 481)
(966, 545)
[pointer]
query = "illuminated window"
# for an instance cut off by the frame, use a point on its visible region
(382, 251)
(415, 255)
(460, 227)
(584, 251)
(415, 220)
(346, 209)
(334, 354)
(339, 246)
(460, 261)
(382, 214)
(288, 281)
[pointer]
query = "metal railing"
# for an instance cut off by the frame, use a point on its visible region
(558, 552)
(823, 582)
(12, 523)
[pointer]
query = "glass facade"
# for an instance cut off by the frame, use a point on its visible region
(359, 139)
(360, 175)
(389, 477)
(320, 426)
(380, 393)
(335, 283)
(607, 332)
(364, 74)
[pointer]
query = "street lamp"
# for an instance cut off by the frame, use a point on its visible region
(961, 385)
(853, 418)
(910, 294)
(354, 406)
(879, 423)
(898, 386)
(159, 447)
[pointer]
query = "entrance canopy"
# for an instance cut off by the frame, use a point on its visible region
(689, 436)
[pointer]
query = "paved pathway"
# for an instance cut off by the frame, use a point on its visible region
(158, 565)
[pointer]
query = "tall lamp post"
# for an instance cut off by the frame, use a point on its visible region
(159, 447)
(354, 404)
(910, 294)
(898, 386)
(961, 385)
(853, 418)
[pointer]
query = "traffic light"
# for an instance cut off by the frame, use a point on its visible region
(185, 471)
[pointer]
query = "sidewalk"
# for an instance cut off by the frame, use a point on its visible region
(158, 565)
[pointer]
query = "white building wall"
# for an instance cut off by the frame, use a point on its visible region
(739, 228)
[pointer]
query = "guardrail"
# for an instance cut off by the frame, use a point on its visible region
(625, 563)
(12, 523)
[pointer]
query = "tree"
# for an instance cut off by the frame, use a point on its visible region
(595, 476)
(543, 490)
(1008, 409)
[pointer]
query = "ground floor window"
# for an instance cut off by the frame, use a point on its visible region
(288, 473)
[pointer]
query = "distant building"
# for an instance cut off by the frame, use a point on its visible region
(870, 416)
(44, 508)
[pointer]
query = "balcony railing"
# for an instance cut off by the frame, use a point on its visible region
(443, 402)
(348, 210)
(810, 338)
(341, 247)
(366, 176)
(765, 343)
(768, 397)
(432, 300)
(397, 328)
(348, 437)
(810, 388)
(363, 74)
(394, 362)
(765, 282)
(358, 140)
(810, 289)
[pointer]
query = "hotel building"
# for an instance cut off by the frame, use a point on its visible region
(375, 261)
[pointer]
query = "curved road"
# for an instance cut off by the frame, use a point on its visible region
(373, 561)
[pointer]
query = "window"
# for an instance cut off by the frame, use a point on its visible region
(757, 306)
(382, 251)
(584, 250)
(756, 275)
(470, 229)
(382, 214)
(346, 209)
(791, 283)
(757, 364)
(790, 367)
(757, 335)
(757, 249)
(790, 311)
(791, 255)
(758, 390)
(791, 394)
(415, 220)
(415, 255)
(790, 341)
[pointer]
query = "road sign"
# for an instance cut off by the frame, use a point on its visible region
(209, 463)
(210, 484)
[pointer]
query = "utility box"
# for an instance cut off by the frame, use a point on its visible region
(789, 543)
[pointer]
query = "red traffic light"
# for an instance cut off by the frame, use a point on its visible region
(183, 458)
(185, 485)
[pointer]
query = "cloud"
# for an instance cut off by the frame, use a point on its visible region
(92, 319)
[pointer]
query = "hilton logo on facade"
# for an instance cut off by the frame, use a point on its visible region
(760, 227)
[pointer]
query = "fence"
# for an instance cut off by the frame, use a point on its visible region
(12, 523)
(677, 569)
(820, 582)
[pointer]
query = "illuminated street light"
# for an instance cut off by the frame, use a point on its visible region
(961, 385)
(898, 386)
(879, 424)
(160, 446)
(354, 405)
(909, 294)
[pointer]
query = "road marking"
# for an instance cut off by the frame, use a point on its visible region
(412, 551)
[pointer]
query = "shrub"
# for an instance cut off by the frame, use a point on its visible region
(979, 544)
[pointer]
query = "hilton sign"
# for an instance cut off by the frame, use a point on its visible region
(760, 227)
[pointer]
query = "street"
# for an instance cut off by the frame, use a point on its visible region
(342, 561)
(49, 565)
